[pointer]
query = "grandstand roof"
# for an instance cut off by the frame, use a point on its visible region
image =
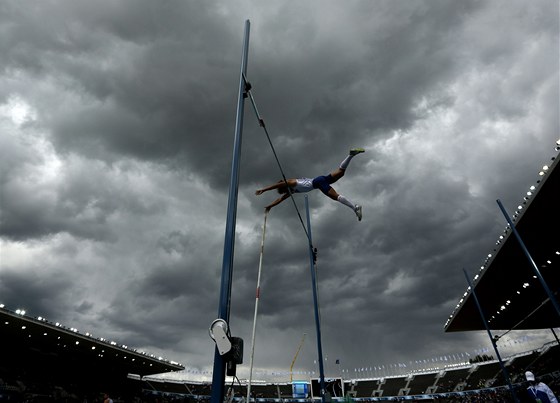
(38, 340)
(509, 293)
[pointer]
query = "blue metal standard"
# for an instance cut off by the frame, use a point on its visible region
(218, 376)
(483, 317)
(535, 268)
(313, 259)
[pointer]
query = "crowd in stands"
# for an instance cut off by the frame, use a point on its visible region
(480, 382)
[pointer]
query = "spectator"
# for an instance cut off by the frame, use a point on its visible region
(539, 391)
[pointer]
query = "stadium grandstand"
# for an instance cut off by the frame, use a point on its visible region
(45, 362)
(519, 302)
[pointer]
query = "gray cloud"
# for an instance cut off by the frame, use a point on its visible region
(116, 130)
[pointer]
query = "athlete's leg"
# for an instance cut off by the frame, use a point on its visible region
(332, 194)
(353, 152)
(339, 172)
(356, 208)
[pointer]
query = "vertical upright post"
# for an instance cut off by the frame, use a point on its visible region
(535, 268)
(218, 375)
(483, 317)
(313, 260)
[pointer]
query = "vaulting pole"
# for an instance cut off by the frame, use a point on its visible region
(313, 261)
(218, 375)
(528, 255)
(483, 317)
(257, 297)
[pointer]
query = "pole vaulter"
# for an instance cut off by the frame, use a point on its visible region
(228, 351)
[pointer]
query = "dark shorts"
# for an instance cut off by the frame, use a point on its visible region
(323, 183)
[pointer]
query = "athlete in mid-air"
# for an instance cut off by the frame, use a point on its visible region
(323, 183)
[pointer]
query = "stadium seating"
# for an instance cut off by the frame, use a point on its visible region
(285, 389)
(483, 375)
(392, 386)
(451, 378)
(420, 383)
(547, 361)
(266, 390)
(517, 366)
(364, 388)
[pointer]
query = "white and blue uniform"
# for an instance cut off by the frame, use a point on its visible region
(303, 185)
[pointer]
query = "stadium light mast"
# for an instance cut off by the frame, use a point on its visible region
(483, 317)
(219, 372)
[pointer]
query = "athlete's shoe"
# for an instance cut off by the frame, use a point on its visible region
(356, 151)
(358, 211)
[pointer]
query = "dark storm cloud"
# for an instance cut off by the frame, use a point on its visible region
(146, 89)
(37, 293)
(117, 126)
(73, 202)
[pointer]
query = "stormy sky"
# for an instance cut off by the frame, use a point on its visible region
(117, 121)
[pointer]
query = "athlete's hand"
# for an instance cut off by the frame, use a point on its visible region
(259, 192)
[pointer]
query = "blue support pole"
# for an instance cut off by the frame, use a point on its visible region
(219, 372)
(483, 317)
(312, 260)
(535, 268)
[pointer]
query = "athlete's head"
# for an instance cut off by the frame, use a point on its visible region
(284, 188)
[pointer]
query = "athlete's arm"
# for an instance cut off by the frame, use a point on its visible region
(279, 184)
(277, 201)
